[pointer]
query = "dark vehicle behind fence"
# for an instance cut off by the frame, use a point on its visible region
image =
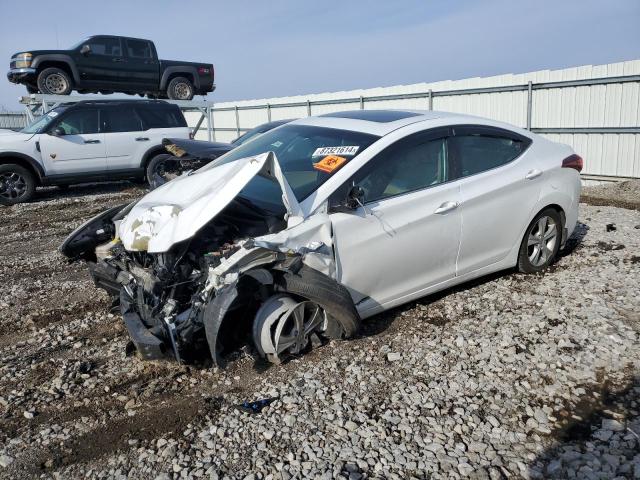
(185, 155)
(108, 64)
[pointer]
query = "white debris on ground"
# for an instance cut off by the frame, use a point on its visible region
(513, 376)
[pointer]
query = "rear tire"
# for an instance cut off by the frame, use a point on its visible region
(156, 171)
(17, 184)
(180, 88)
(54, 81)
(541, 242)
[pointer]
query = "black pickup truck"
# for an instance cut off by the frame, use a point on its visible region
(107, 64)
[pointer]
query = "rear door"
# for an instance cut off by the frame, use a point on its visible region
(125, 137)
(102, 65)
(80, 150)
(499, 186)
(141, 67)
(405, 237)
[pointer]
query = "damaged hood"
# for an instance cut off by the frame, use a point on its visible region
(178, 209)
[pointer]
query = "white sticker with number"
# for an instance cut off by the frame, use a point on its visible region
(346, 150)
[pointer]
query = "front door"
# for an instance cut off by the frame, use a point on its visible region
(103, 64)
(80, 150)
(405, 237)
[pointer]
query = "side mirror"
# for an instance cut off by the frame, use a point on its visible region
(355, 197)
(58, 132)
(85, 49)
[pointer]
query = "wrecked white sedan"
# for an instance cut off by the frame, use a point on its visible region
(294, 237)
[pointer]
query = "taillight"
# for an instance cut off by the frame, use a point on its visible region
(573, 161)
(192, 134)
(204, 70)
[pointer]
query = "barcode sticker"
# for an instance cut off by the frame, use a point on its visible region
(345, 150)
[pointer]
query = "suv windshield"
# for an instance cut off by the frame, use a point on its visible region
(41, 123)
(308, 157)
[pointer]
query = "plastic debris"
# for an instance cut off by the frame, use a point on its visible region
(257, 406)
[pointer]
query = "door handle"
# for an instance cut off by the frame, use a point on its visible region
(535, 173)
(447, 207)
(92, 141)
(117, 59)
(142, 139)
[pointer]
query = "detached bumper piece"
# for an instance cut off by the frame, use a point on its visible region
(147, 344)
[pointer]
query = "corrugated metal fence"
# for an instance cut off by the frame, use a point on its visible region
(13, 120)
(596, 109)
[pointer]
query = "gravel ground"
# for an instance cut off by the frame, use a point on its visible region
(512, 376)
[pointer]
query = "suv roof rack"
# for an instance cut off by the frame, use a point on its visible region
(38, 104)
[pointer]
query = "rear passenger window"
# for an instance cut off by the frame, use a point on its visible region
(478, 153)
(161, 117)
(138, 49)
(122, 119)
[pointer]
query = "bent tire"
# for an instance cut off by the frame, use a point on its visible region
(541, 242)
(180, 88)
(17, 184)
(54, 81)
(160, 171)
(328, 294)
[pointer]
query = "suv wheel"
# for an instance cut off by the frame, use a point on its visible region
(54, 81)
(17, 184)
(180, 88)
(541, 242)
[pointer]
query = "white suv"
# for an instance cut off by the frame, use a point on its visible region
(87, 141)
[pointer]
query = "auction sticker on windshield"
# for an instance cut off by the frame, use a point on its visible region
(344, 150)
(329, 163)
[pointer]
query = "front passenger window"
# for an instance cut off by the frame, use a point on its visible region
(404, 168)
(80, 122)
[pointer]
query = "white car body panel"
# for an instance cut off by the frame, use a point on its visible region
(372, 240)
(70, 154)
(125, 150)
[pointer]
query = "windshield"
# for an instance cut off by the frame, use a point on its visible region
(41, 123)
(308, 156)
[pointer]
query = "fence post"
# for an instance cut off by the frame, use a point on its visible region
(430, 99)
(268, 112)
(210, 131)
(308, 108)
(361, 102)
(529, 103)
(237, 121)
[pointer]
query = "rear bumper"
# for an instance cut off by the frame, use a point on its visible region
(21, 75)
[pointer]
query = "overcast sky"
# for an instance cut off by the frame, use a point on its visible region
(287, 47)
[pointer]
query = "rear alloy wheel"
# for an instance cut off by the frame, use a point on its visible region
(180, 88)
(17, 184)
(286, 326)
(54, 81)
(162, 169)
(541, 242)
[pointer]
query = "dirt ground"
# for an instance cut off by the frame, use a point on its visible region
(73, 403)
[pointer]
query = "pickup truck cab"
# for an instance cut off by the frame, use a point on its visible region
(87, 141)
(107, 64)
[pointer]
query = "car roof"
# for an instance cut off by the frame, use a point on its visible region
(382, 122)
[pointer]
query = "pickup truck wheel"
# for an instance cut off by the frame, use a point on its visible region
(54, 81)
(180, 88)
(17, 184)
(161, 169)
